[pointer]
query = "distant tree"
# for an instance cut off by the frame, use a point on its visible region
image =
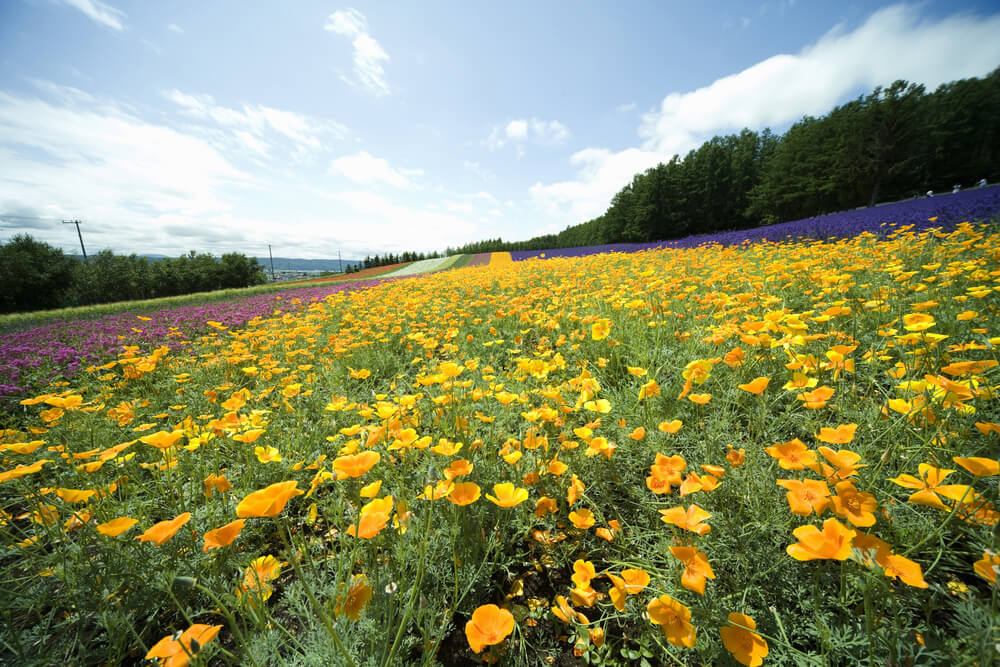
(33, 275)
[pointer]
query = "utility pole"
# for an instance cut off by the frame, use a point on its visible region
(273, 279)
(340, 261)
(77, 223)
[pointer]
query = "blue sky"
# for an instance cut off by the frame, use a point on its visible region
(318, 127)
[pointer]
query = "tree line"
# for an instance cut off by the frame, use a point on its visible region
(36, 276)
(897, 142)
(390, 258)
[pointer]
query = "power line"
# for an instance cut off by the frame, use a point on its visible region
(78, 233)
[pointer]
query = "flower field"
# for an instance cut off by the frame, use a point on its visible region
(763, 453)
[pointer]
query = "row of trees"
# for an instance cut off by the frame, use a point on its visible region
(390, 258)
(35, 276)
(897, 142)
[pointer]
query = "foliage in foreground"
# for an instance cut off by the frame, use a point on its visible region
(782, 452)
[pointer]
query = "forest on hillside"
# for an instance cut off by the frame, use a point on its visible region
(898, 142)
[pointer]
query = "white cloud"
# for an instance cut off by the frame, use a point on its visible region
(894, 43)
(98, 161)
(173, 27)
(368, 54)
(600, 175)
(253, 123)
(424, 229)
(477, 169)
(522, 130)
(99, 12)
(517, 130)
(624, 108)
(365, 169)
(485, 196)
(459, 207)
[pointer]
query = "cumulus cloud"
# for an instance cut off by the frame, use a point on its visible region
(482, 172)
(366, 169)
(893, 43)
(368, 55)
(600, 174)
(98, 12)
(522, 130)
(425, 229)
(84, 158)
(252, 124)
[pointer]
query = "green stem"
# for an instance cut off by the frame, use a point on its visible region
(320, 611)
(416, 586)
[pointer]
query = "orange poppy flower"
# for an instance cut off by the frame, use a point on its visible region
(545, 505)
(269, 501)
(267, 454)
(691, 519)
(671, 427)
(806, 496)
(735, 457)
(833, 542)
(370, 490)
(224, 536)
(355, 465)
(817, 398)
(792, 455)
(700, 399)
(617, 592)
(162, 439)
(668, 468)
(979, 466)
(556, 467)
(746, 646)
(648, 390)
(489, 625)
(464, 493)
(638, 433)
(858, 507)
(844, 461)
(696, 568)
(674, 619)
(600, 329)
(356, 598)
(658, 486)
(582, 518)
(176, 651)
(215, 483)
(988, 567)
(369, 525)
(755, 386)
(583, 572)
(116, 527)
(840, 435)
(507, 495)
(575, 490)
(908, 571)
(458, 469)
(258, 575)
(927, 485)
(161, 532)
(249, 437)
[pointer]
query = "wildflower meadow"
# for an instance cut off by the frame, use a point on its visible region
(777, 452)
